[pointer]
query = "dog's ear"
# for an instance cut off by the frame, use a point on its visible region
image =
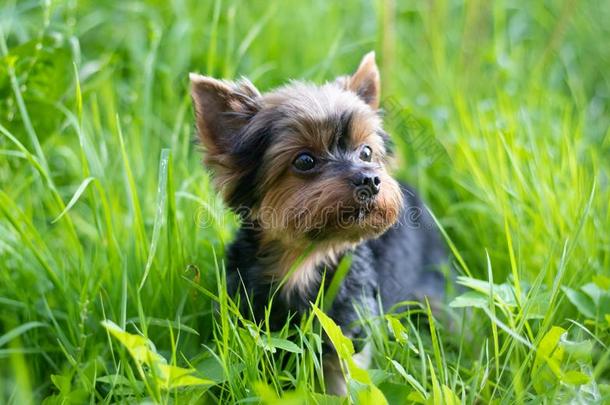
(365, 81)
(222, 109)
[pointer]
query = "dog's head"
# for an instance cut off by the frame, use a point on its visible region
(303, 162)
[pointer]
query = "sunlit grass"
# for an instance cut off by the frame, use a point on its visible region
(106, 213)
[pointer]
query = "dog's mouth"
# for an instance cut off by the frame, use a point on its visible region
(357, 214)
(353, 223)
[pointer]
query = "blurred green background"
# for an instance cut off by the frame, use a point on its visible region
(106, 213)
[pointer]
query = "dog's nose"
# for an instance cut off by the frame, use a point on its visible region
(367, 183)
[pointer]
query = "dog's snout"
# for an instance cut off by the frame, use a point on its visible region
(373, 183)
(367, 182)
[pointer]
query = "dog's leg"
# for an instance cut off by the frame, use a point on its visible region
(364, 357)
(333, 376)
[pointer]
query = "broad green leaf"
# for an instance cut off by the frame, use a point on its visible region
(63, 383)
(170, 377)
(577, 350)
(398, 329)
(298, 397)
(470, 299)
(582, 302)
(395, 393)
(575, 378)
(357, 373)
(143, 352)
(343, 346)
(503, 293)
(326, 399)
(75, 397)
(593, 291)
(547, 364)
(416, 397)
(265, 392)
(114, 380)
(273, 343)
(213, 369)
(141, 349)
(371, 395)
(67, 394)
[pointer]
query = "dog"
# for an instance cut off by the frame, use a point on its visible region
(306, 168)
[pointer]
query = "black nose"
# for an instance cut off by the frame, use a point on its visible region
(367, 183)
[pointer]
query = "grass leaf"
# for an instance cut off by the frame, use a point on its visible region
(79, 191)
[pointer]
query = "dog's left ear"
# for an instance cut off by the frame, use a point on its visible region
(365, 81)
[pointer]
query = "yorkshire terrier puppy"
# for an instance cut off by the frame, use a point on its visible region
(305, 168)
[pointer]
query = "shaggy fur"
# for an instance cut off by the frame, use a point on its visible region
(300, 219)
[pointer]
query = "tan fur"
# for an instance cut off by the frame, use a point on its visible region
(363, 133)
(297, 279)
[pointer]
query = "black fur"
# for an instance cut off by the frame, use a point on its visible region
(255, 141)
(401, 264)
(342, 133)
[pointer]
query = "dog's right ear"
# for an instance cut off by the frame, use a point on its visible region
(222, 109)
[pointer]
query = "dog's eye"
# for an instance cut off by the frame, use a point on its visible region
(304, 162)
(366, 153)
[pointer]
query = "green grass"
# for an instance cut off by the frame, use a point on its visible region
(105, 212)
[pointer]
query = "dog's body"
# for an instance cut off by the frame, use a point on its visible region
(305, 168)
(400, 265)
